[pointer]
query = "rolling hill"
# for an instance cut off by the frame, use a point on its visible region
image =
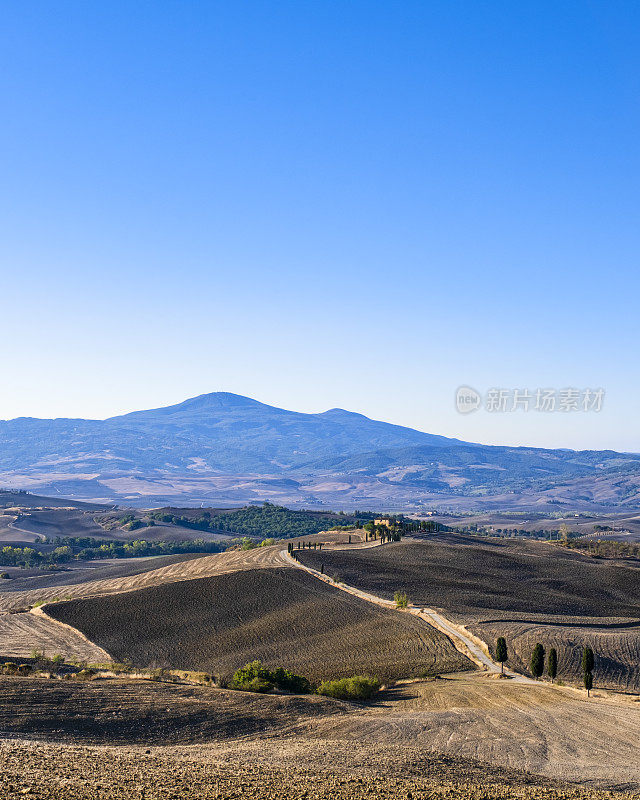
(224, 449)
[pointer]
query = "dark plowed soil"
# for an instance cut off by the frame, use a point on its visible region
(282, 616)
(470, 575)
(528, 592)
(146, 712)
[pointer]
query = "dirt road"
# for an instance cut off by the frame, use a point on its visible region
(466, 643)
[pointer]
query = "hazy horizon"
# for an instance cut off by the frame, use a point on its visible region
(320, 205)
(317, 411)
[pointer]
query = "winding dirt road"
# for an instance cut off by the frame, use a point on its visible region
(464, 642)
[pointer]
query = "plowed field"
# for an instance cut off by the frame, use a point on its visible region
(282, 616)
(525, 591)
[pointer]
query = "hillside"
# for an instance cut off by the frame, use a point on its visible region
(227, 450)
(280, 616)
(437, 740)
(526, 591)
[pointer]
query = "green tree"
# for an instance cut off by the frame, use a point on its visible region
(587, 659)
(588, 682)
(552, 664)
(401, 599)
(501, 651)
(588, 662)
(537, 661)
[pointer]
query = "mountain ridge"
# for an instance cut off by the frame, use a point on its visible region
(220, 447)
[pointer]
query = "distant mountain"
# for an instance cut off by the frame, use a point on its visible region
(220, 432)
(224, 448)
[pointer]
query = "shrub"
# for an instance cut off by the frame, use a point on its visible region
(86, 674)
(401, 600)
(254, 677)
(360, 687)
(290, 682)
(161, 674)
(257, 685)
(4, 575)
(10, 668)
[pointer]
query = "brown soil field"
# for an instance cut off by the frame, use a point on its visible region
(76, 572)
(473, 574)
(148, 712)
(282, 616)
(138, 739)
(266, 770)
(523, 590)
(21, 634)
(179, 570)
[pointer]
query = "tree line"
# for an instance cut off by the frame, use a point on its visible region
(537, 662)
(94, 549)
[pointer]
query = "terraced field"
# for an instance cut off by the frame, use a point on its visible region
(525, 591)
(282, 616)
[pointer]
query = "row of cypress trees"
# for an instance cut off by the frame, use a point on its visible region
(537, 663)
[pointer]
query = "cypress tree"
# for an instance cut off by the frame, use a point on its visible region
(501, 651)
(587, 659)
(537, 661)
(588, 682)
(588, 663)
(552, 664)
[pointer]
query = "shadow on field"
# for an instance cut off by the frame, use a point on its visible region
(550, 624)
(144, 712)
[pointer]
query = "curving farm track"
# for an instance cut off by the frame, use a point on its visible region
(465, 642)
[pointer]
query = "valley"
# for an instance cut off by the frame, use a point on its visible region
(443, 724)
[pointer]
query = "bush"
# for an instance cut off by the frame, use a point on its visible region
(401, 600)
(4, 575)
(257, 685)
(290, 682)
(254, 677)
(360, 687)
(86, 674)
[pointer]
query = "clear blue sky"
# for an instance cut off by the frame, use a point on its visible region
(323, 204)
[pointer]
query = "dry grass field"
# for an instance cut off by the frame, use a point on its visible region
(178, 569)
(21, 634)
(138, 739)
(84, 572)
(282, 616)
(523, 590)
